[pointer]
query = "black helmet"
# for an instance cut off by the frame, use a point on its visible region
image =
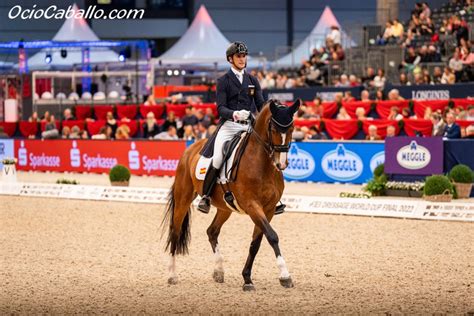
(236, 48)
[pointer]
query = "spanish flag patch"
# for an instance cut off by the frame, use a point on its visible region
(202, 170)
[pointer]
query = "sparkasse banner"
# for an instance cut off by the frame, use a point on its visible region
(158, 158)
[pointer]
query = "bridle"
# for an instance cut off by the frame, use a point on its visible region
(269, 146)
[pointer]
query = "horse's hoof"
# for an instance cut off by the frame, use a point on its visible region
(248, 287)
(218, 276)
(173, 280)
(286, 282)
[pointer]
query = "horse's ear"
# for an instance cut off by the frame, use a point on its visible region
(273, 107)
(295, 106)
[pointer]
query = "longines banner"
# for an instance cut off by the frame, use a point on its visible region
(414, 155)
(345, 162)
(158, 158)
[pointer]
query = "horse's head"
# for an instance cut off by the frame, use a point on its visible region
(280, 129)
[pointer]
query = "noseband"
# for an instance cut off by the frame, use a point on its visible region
(270, 147)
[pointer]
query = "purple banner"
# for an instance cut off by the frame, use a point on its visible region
(414, 155)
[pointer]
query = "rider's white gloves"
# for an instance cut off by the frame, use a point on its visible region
(241, 115)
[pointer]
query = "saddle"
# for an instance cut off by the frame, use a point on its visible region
(233, 151)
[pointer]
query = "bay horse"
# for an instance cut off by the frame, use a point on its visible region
(258, 188)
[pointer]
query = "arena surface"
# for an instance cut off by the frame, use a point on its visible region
(67, 256)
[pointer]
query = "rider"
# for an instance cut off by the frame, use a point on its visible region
(238, 94)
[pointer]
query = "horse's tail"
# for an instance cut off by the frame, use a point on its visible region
(178, 237)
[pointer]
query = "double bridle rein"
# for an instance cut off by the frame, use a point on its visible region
(269, 146)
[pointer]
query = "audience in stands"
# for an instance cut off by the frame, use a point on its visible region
(67, 115)
(150, 127)
(123, 132)
(451, 130)
(112, 122)
(391, 131)
(150, 100)
(103, 133)
(170, 134)
(343, 115)
(51, 131)
(438, 124)
(372, 133)
(75, 131)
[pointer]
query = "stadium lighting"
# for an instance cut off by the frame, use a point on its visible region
(121, 57)
(48, 59)
(176, 72)
(169, 72)
(183, 72)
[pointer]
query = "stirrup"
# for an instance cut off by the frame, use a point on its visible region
(204, 205)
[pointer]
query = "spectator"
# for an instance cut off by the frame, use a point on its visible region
(83, 134)
(437, 75)
(170, 121)
(46, 117)
(438, 125)
(298, 135)
(102, 133)
(3, 135)
(448, 77)
(34, 117)
(451, 130)
(209, 116)
(65, 132)
(353, 81)
(395, 114)
(201, 131)
(404, 80)
(394, 95)
(406, 113)
(335, 35)
(170, 134)
(365, 96)
(150, 100)
(379, 80)
(150, 127)
(51, 131)
(427, 114)
(123, 132)
(470, 113)
(372, 135)
(368, 79)
(75, 130)
(189, 117)
(455, 63)
(387, 34)
(344, 81)
(112, 123)
(470, 131)
(314, 133)
(391, 131)
(360, 114)
(188, 133)
(433, 55)
(348, 96)
(67, 115)
(379, 96)
(202, 118)
(397, 29)
(343, 115)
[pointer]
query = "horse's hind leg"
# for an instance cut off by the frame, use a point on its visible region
(258, 217)
(213, 233)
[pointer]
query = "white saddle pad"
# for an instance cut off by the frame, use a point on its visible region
(203, 164)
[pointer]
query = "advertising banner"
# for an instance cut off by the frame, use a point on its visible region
(158, 158)
(6, 150)
(414, 155)
(346, 162)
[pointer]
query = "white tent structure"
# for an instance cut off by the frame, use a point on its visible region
(73, 29)
(315, 39)
(202, 43)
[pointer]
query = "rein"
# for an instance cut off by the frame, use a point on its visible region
(270, 147)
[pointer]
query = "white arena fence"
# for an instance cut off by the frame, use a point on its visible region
(379, 207)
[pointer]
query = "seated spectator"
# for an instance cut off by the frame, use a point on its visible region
(391, 131)
(455, 63)
(404, 80)
(123, 132)
(387, 34)
(372, 135)
(102, 133)
(395, 114)
(170, 121)
(34, 117)
(112, 122)
(209, 116)
(189, 117)
(360, 114)
(83, 134)
(344, 81)
(170, 134)
(3, 135)
(448, 76)
(188, 133)
(470, 131)
(51, 132)
(150, 128)
(438, 125)
(314, 133)
(343, 115)
(46, 117)
(298, 135)
(353, 81)
(150, 100)
(433, 55)
(437, 75)
(379, 80)
(310, 113)
(451, 130)
(406, 113)
(348, 96)
(338, 97)
(202, 118)
(201, 131)
(394, 95)
(368, 79)
(379, 95)
(335, 35)
(67, 115)
(470, 113)
(75, 130)
(65, 132)
(365, 96)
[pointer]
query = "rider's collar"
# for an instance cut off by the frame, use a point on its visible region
(236, 72)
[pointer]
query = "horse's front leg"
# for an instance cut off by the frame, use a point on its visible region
(213, 233)
(254, 247)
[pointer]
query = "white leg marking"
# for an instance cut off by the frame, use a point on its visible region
(172, 267)
(219, 259)
(284, 274)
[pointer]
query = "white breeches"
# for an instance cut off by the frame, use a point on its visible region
(226, 132)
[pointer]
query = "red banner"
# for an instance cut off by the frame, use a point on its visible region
(341, 129)
(158, 158)
(381, 126)
(383, 107)
(423, 126)
(351, 107)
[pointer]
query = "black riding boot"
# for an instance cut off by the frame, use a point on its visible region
(207, 188)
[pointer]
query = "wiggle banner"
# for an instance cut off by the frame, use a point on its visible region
(158, 158)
